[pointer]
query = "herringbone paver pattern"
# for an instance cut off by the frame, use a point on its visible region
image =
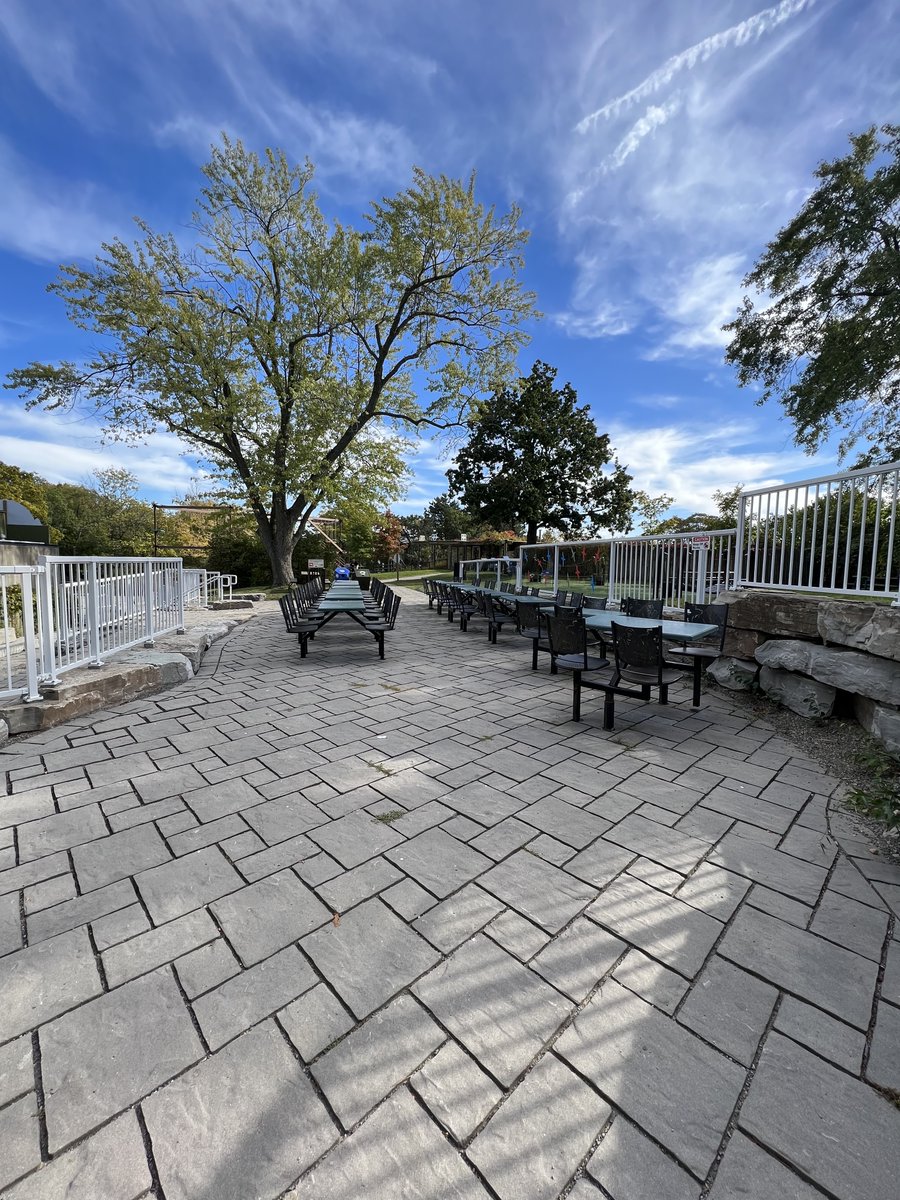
(342, 927)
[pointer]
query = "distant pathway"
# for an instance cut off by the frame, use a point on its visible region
(338, 927)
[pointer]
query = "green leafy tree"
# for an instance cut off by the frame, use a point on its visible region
(446, 519)
(26, 489)
(534, 458)
(826, 340)
(290, 352)
(649, 509)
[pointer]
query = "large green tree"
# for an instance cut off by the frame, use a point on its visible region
(534, 459)
(290, 352)
(825, 340)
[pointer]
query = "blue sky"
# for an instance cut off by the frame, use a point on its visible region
(654, 148)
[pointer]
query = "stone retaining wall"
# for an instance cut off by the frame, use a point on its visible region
(805, 652)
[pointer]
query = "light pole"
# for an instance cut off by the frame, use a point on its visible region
(434, 539)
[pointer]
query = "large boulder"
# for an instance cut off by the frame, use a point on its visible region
(736, 674)
(772, 612)
(874, 628)
(743, 643)
(4, 731)
(799, 693)
(881, 721)
(850, 670)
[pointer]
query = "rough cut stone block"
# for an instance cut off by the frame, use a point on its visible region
(736, 674)
(628, 1164)
(675, 1087)
(458, 917)
(539, 891)
(20, 1140)
(265, 917)
(369, 956)
(253, 1098)
(729, 1008)
(577, 958)
(158, 946)
(536, 1139)
(438, 862)
(398, 1143)
(849, 670)
(112, 1163)
(60, 832)
(252, 995)
(206, 967)
(747, 1171)
(802, 695)
(830, 1038)
(874, 628)
(118, 856)
(314, 1020)
(884, 1059)
(803, 964)
(40, 982)
(882, 721)
(102, 1057)
(838, 1132)
(187, 883)
(773, 612)
(501, 1011)
(455, 1090)
(369, 1063)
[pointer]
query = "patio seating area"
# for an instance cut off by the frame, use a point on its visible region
(335, 927)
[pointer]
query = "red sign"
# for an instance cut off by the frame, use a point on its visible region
(700, 541)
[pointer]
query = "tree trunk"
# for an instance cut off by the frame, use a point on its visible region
(276, 535)
(531, 533)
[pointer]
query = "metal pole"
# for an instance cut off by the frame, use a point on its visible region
(93, 599)
(700, 581)
(148, 605)
(47, 632)
(31, 650)
(556, 568)
(611, 580)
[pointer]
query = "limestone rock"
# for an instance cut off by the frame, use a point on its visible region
(736, 674)
(218, 605)
(743, 643)
(4, 731)
(881, 721)
(849, 670)
(799, 693)
(874, 628)
(772, 612)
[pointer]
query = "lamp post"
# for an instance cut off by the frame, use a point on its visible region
(434, 538)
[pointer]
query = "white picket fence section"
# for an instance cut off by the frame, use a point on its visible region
(69, 612)
(202, 588)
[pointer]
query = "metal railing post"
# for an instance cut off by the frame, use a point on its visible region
(31, 649)
(148, 606)
(47, 630)
(179, 594)
(738, 574)
(93, 598)
(611, 581)
(700, 581)
(556, 568)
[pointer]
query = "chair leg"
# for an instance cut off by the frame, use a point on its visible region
(664, 693)
(695, 701)
(554, 669)
(534, 654)
(576, 696)
(302, 640)
(379, 638)
(609, 709)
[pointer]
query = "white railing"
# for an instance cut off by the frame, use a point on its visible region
(202, 588)
(838, 533)
(493, 570)
(676, 568)
(71, 612)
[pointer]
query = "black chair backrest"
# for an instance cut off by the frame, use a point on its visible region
(567, 637)
(535, 591)
(632, 607)
(709, 614)
(527, 618)
(640, 649)
(576, 601)
(595, 602)
(391, 613)
(493, 611)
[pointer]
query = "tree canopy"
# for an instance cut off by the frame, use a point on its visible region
(535, 459)
(289, 352)
(826, 339)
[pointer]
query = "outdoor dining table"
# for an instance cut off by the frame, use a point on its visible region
(673, 631)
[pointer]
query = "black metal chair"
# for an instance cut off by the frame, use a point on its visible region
(295, 622)
(529, 625)
(569, 650)
(651, 609)
(597, 604)
(497, 616)
(467, 605)
(700, 654)
(639, 659)
(378, 628)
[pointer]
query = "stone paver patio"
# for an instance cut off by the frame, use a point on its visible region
(399, 929)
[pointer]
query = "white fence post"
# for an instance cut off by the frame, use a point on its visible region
(47, 628)
(556, 568)
(148, 605)
(700, 581)
(31, 649)
(93, 599)
(611, 582)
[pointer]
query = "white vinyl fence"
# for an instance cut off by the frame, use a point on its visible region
(73, 612)
(202, 588)
(838, 534)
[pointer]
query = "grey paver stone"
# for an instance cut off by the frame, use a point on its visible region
(600, 863)
(19, 1137)
(564, 822)
(354, 839)
(538, 890)
(849, 881)
(660, 792)
(851, 924)
(659, 877)
(628, 1165)
(177, 823)
(119, 926)
(187, 883)
(252, 1096)
(890, 985)
(410, 788)
(100, 1058)
(118, 856)
(16, 1069)
(532, 1145)
(370, 956)
(346, 774)
(714, 891)
(111, 1164)
(503, 839)
(777, 905)
(42, 981)
(670, 847)
(206, 967)
(780, 872)
(500, 1010)
(458, 917)
(826, 1035)
(243, 844)
(285, 854)
(810, 845)
(140, 814)
(350, 888)
(455, 1090)
(369, 1062)
(114, 770)
(220, 799)
(408, 899)
(315, 1020)
(748, 1172)
(666, 1080)
(663, 926)
(277, 820)
(204, 835)
(250, 996)
(884, 1058)
(171, 781)
(417, 820)
(400, 1144)
(60, 832)
(157, 946)
(482, 803)
(318, 869)
(80, 910)
(751, 809)
(462, 827)
(729, 1008)
(803, 964)
(577, 958)
(266, 916)
(517, 935)
(49, 892)
(438, 861)
(26, 806)
(802, 1109)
